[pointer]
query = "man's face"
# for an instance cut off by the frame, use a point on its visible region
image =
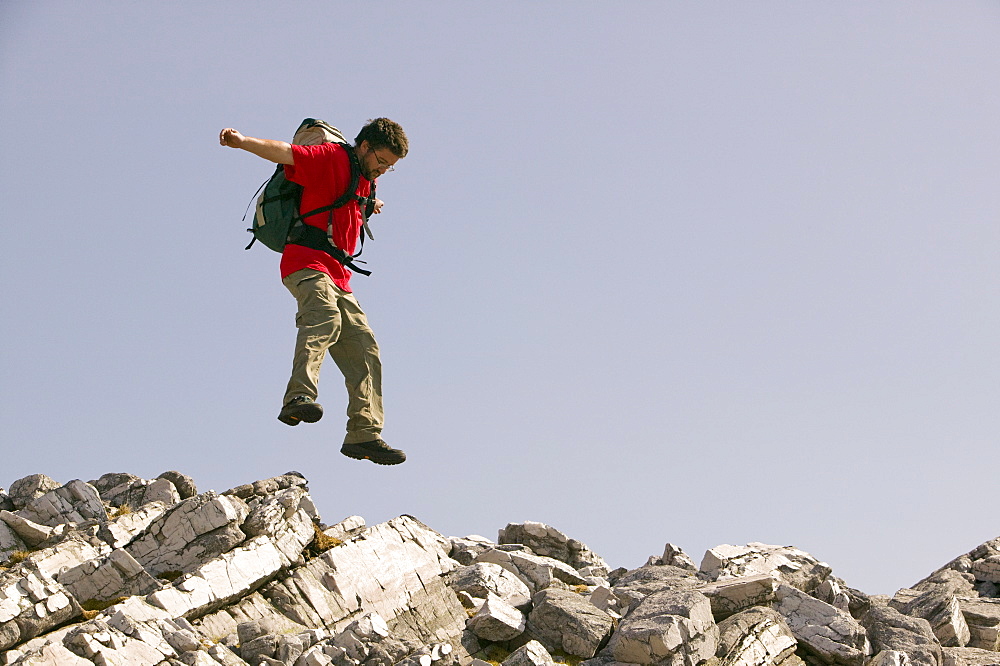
(374, 162)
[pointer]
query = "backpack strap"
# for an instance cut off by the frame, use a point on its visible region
(315, 238)
(366, 212)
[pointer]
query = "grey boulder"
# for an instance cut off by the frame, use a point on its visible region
(485, 578)
(890, 631)
(756, 637)
(547, 541)
(795, 567)
(531, 653)
(668, 627)
(563, 620)
(827, 632)
(497, 620)
(28, 488)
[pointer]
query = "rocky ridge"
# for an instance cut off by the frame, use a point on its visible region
(125, 570)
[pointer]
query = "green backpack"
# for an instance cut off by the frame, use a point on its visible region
(277, 221)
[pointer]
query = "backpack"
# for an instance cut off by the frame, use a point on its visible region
(277, 221)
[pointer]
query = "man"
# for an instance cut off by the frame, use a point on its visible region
(329, 318)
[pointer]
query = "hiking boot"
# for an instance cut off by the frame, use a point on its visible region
(376, 450)
(301, 408)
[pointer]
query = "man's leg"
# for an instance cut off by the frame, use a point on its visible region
(319, 323)
(356, 354)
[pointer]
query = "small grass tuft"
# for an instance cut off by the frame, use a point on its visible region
(320, 543)
(17, 557)
(123, 510)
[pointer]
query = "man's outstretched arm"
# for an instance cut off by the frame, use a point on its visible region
(278, 152)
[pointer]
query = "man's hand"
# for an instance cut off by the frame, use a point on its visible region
(230, 137)
(378, 206)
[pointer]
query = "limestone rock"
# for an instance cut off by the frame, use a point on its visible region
(28, 488)
(254, 650)
(128, 490)
(73, 551)
(634, 586)
(394, 569)
(538, 572)
(121, 530)
(668, 627)
(90, 570)
(891, 631)
(160, 490)
(833, 593)
(31, 533)
(827, 632)
(182, 482)
(983, 619)
(531, 653)
(958, 583)
(795, 567)
(547, 541)
(284, 518)
(465, 550)
(987, 569)
(347, 528)
(485, 578)
(675, 557)
(76, 502)
(605, 599)
(890, 658)
(563, 620)
(225, 579)
(190, 533)
(969, 657)
(110, 577)
(251, 610)
(982, 564)
(222, 579)
(49, 654)
(31, 603)
(497, 620)
(733, 595)
(268, 486)
(941, 608)
(105, 641)
(121, 489)
(756, 637)
(435, 653)
(10, 542)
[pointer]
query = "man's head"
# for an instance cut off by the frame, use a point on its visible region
(380, 144)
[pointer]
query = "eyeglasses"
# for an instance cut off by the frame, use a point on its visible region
(385, 165)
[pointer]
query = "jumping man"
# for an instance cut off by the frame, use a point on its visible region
(329, 318)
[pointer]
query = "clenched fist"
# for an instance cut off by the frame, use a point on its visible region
(230, 137)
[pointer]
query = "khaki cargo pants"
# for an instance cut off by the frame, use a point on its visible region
(330, 319)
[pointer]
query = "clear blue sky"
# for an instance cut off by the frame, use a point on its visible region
(698, 272)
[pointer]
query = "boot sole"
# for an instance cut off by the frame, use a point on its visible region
(307, 413)
(378, 459)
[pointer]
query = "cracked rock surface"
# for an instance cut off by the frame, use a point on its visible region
(127, 570)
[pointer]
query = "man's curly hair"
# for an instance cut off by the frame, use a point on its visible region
(384, 133)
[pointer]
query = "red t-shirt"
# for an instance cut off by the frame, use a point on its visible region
(324, 172)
